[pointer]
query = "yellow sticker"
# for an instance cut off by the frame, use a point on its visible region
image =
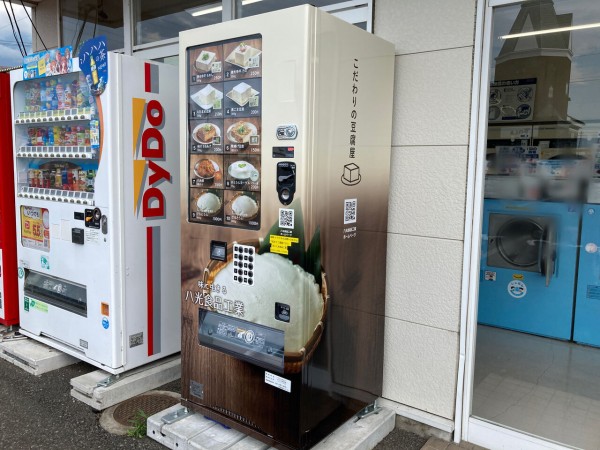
(281, 244)
(517, 276)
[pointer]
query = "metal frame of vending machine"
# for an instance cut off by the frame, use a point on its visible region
(284, 196)
(9, 306)
(98, 234)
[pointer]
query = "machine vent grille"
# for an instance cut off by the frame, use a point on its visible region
(237, 417)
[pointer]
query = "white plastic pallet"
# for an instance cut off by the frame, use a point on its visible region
(34, 357)
(85, 388)
(197, 432)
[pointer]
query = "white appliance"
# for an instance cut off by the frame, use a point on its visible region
(98, 213)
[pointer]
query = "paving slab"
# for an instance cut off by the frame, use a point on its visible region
(86, 387)
(197, 432)
(34, 357)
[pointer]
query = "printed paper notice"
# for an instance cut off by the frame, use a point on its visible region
(281, 244)
(35, 228)
(279, 382)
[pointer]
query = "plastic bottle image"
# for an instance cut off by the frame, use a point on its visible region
(89, 185)
(93, 70)
(68, 97)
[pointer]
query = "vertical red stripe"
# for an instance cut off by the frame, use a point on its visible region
(150, 290)
(147, 77)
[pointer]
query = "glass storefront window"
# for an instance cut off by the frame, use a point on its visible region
(83, 19)
(158, 20)
(247, 8)
(537, 360)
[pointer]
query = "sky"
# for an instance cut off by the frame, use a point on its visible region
(9, 51)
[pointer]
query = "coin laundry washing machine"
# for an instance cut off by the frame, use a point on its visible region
(528, 266)
(587, 300)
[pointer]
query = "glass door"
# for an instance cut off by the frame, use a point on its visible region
(537, 356)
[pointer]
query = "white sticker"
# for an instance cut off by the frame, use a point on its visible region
(489, 275)
(279, 382)
(517, 289)
(91, 235)
(65, 230)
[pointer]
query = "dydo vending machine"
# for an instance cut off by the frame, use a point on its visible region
(97, 207)
(286, 126)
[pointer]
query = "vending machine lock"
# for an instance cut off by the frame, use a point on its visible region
(286, 181)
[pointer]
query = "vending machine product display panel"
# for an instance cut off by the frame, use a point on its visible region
(284, 199)
(224, 132)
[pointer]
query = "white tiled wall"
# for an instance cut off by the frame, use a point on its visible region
(431, 98)
(434, 52)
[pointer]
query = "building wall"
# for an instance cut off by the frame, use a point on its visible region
(434, 66)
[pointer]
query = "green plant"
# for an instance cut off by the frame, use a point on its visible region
(138, 425)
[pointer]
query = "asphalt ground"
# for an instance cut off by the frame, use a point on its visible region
(38, 412)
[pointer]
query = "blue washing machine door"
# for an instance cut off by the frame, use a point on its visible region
(529, 251)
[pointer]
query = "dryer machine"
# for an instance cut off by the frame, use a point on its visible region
(528, 259)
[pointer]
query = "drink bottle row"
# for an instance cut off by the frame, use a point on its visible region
(66, 179)
(58, 135)
(54, 95)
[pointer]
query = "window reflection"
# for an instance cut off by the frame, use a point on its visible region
(84, 19)
(156, 20)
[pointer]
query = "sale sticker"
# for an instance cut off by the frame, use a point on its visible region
(35, 228)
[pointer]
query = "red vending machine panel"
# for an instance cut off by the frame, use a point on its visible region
(9, 303)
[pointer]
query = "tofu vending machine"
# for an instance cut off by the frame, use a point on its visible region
(97, 208)
(284, 221)
(9, 305)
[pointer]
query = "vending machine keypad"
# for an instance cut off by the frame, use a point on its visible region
(243, 264)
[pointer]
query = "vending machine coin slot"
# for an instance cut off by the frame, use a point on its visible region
(92, 218)
(286, 181)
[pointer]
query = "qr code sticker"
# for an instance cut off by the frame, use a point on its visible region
(286, 218)
(349, 210)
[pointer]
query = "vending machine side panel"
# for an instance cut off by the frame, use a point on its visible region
(350, 189)
(9, 309)
(150, 194)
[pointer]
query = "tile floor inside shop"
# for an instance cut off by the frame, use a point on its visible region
(541, 386)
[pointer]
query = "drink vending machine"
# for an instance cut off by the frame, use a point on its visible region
(286, 125)
(9, 305)
(97, 207)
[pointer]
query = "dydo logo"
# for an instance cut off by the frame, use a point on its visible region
(149, 151)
